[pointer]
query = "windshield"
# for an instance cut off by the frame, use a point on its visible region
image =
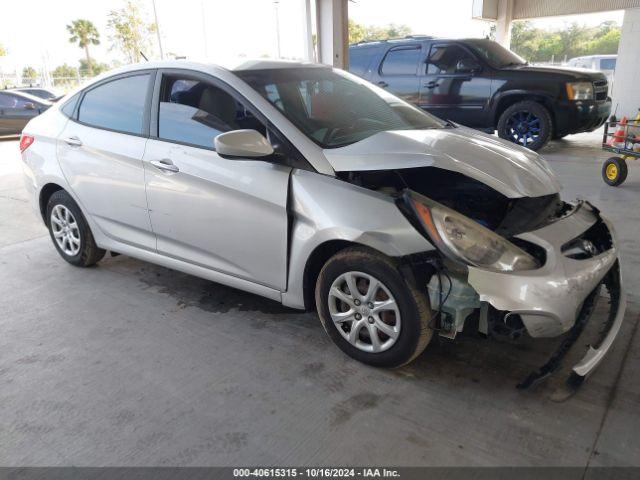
(333, 108)
(495, 54)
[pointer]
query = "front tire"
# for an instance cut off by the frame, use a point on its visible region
(370, 311)
(527, 124)
(70, 231)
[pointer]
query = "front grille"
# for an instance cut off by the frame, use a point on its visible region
(601, 90)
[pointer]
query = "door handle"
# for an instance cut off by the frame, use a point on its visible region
(431, 84)
(383, 84)
(73, 141)
(165, 165)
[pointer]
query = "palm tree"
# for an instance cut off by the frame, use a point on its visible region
(84, 33)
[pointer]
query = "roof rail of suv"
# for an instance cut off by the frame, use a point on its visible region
(395, 39)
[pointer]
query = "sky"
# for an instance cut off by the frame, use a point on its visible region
(220, 30)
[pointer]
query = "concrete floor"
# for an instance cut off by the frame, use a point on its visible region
(131, 364)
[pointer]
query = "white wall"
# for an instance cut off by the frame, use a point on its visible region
(626, 88)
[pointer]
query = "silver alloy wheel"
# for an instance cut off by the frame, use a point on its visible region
(364, 311)
(65, 230)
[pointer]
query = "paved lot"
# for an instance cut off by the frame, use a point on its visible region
(132, 364)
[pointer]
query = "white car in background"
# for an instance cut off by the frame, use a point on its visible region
(313, 187)
(602, 63)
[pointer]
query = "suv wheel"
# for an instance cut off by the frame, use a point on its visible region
(526, 123)
(70, 232)
(370, 311)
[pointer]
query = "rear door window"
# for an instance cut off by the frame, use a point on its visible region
(117, 105)
(401, 61)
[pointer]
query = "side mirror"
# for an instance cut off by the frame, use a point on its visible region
(30, 106)
(467, 65)
(243, 144)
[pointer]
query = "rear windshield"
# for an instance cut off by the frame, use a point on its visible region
(333, 108)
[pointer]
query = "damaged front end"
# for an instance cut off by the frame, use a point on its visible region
(543, 282)
(508, 266)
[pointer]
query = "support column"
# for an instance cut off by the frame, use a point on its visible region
(503, 22)
(626, 87)
(333, 36)
(307, 33)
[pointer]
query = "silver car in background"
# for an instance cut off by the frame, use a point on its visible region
(311, 187)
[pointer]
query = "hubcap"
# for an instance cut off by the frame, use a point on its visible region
(364, 312)
(523, 128)
(612, 171)
(65, 230)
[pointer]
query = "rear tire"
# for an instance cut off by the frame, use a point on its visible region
(527, 124)
(70, 231)
(391, 308)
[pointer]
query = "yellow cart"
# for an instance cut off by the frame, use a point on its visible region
(621, 142)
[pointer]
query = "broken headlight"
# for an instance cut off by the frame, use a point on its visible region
(464, 240)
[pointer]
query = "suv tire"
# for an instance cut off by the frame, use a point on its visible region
(70, 231)
(394, 305)
(527, 124)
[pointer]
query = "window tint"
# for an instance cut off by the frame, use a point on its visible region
(607, 64)
(70, 105)
(359, 59)
(195, 112)
(117, 105)
(444, 58)
(401, 61)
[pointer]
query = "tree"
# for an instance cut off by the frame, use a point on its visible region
(93, 68)
(538, 45)
(3, 50)
(130, 33)
(359, 32)
(29, 74)
(64, 74)
(84, 33)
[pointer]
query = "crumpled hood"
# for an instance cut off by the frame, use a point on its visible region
(512, 170)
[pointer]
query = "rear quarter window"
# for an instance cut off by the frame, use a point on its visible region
(360, 59)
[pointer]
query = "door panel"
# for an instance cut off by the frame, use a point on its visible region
(450, 94)
(106, 174)
(227, 215)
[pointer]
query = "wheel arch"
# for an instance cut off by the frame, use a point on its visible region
(314, 264)
(505, 100)
(45, 194)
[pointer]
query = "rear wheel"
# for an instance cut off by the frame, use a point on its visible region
(370, 311)
(614, 171)
(527, 124)
(70, 231)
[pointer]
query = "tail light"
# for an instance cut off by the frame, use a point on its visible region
(25, 142)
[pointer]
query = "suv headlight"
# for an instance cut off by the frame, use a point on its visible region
(580, 90)
(464, 240)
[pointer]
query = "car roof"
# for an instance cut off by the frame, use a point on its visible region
(409, 39)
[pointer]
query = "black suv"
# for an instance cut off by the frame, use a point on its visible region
(480, 84)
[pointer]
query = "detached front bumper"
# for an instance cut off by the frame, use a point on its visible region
(555, 298)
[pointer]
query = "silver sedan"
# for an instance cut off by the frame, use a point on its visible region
(312, 187)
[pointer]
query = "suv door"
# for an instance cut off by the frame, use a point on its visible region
(398, 71)
(100, 152)
(15, 113)
(225, 215)
(455, 86)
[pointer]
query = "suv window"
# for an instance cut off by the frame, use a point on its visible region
(443, 59)
(117, 105)
(359, 60)
(195, 112)
(607, 64)
(401, 61)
